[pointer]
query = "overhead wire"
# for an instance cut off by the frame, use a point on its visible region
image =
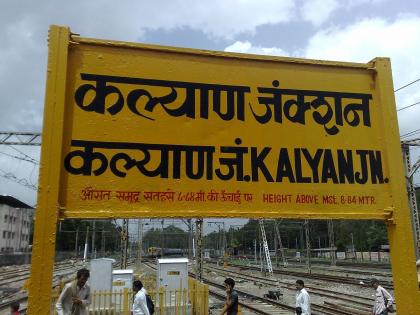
(411, 133)
(14, 178)
(408, 84)
(20, 158)
(408, 106)
(24, 154)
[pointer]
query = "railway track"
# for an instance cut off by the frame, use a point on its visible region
(324, 277)
(360, 301)
(262, 305)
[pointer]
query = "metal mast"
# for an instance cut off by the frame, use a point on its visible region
(266, 249)
(280, 244)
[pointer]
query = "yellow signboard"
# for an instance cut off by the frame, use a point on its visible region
(145, 131)
(156, 131)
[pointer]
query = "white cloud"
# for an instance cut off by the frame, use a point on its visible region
(248, 48)
(354, 3)
(318, 11)
(370, 38)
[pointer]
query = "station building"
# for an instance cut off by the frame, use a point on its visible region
(15, 224)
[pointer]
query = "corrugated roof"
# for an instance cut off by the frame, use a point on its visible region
(13, 202)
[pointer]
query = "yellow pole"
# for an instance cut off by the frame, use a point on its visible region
(47, 210)
(126, 304)
(206, 299)
(161, 301)
(400, 234)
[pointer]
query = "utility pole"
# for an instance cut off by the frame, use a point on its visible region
(352, 247)
(308, 246)
(199, 252)
(280, 244)
(190, 239)
(139, 241)
(409, 173)
(332, 241)
(276, 247)
(103, 242)
(221, 238)
(162, 239)
(76, 252)
(86, 244)
(255, 251)
(124, 244)
(93, 254)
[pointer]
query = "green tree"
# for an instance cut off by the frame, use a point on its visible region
(170, 237)
(67, 230)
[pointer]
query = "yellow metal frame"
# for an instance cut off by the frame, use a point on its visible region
(397, 218)
(43, 251)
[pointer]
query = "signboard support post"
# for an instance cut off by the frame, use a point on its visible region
(406, 287)
(48, 208)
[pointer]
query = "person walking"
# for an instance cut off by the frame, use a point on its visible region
(140, 300)
(75, 297)
(302, 298)
(232, 299)
(384, 303)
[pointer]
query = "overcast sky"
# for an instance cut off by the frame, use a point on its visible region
(346, 30)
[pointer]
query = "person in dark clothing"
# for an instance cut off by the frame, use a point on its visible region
(231, 305)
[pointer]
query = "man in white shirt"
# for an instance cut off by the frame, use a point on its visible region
(302, 298)
(75, 297)
(140, 302)
(383, 299)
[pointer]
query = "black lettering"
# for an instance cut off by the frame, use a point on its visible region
(328, 168)
(284, 167)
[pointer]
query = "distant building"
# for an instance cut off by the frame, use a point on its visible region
(15, 224)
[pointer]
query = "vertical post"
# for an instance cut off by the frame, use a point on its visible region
(255, 251)
(412, 202)
(124, 244)
(92, 248)
(206, 299)
(308, 246)
(331, 241)
(224, 240)
(406, 287)
(219, 241)
(76, 252)
(190, 239)
(126, 303)
(85, 252)
(199, 257)
(139, 241)
(162, 239)
(352, 246)
(275, 246)
(162, 301)
(103, 243)
(47, 211)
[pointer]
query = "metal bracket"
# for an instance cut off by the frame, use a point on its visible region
(389, 216)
